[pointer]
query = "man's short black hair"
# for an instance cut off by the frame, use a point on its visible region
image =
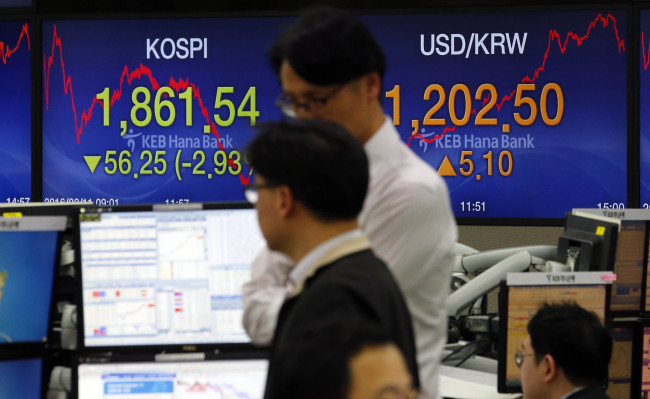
(328, 46)
(317, 366)
(323, 165)
(576, 339)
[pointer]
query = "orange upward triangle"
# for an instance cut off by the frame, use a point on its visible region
(446, 169)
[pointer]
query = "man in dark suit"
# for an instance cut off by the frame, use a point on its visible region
(566, 354)
(310, 185)
(361, 360)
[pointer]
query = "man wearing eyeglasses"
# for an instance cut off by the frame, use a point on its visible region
(566, 354)
(336, 275)
(331, 68)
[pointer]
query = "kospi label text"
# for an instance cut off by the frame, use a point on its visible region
(180, 48)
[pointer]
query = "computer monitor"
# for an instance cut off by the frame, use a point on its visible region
(28, 260)
(166, 275)
(644, 363)
(21, 378)
(629, 268)
(523, 295)
(242, 378)
(624, 352)
(588, 242)
(629, 292)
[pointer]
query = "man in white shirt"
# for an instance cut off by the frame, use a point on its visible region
(331, 68)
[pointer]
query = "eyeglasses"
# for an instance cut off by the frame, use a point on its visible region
(520, 356)
(251, 191)
(289, 105)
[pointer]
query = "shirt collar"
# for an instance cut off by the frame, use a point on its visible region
(572, 392)
(385, 138)
(302, 268)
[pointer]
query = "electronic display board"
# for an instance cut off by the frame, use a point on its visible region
(183, 95)
(523, 113)
(644, 108)
(15, 112)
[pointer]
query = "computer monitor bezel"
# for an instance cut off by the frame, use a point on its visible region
(502, 386)
(238, 347)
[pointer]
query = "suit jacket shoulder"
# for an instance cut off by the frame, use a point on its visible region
(594, 392)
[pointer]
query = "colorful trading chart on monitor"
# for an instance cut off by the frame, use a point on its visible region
(243, 379)
(166, 278)
(620, 367)
(645, 363)
(523, 302)
(15, 112)
(629, 266)
(495, 102)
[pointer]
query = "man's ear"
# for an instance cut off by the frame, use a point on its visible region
(286, 201)
(372, 85)
(550, 368)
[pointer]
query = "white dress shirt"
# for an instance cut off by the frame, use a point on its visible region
(409, 221)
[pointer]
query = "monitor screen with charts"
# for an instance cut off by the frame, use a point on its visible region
(620, 367)
(21, 378)
(166, 277)
(244, 379)
(519, 303)
(28, 260)
(645, 362)
(629, 267)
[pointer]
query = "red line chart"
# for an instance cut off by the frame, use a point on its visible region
(646, 56)
(6, 51)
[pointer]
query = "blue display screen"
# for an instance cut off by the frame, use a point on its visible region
(27, 263)
(644, 107)
(523, 113)
(21, 378)
(15, 111)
